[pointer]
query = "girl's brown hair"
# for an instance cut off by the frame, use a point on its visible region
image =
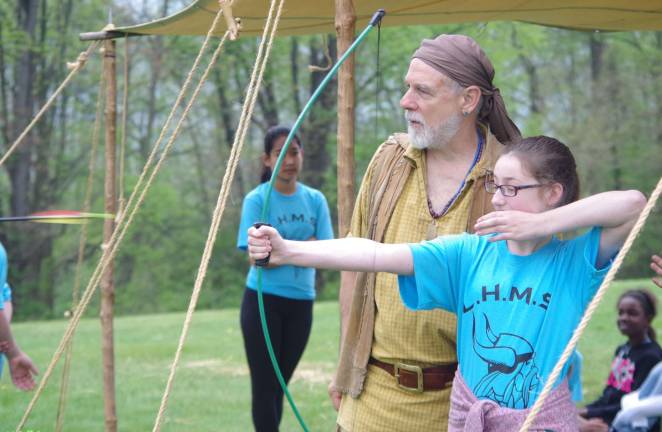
(549, 161)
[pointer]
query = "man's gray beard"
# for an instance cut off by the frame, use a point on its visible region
(435, 137)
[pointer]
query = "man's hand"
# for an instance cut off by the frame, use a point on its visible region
(511, 225)
(335, 396)
(656, 266)
(4, 346)
(22, 371)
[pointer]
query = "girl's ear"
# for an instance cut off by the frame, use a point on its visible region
(554, 193)
(265, 159)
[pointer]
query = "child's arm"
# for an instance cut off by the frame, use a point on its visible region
(615, 211)
(22, 371)
(6, 337)
(20, 366)
(352, 254)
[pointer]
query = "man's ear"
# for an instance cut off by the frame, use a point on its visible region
(554, 193)
(470, 99)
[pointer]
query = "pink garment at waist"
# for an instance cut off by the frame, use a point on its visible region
(468, 414)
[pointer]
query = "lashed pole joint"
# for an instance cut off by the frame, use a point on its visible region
(234, 24)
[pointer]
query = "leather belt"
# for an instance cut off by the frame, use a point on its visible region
(416, 379)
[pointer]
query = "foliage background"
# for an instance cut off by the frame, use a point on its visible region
(601, 93)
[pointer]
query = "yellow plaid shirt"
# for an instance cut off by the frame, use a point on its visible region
(423, 338)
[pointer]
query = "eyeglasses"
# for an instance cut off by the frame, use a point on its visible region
(507, 190)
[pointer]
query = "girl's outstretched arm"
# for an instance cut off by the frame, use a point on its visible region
(351, 254)
(614, 211)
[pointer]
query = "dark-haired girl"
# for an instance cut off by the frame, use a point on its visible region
(517, 290)
(632, 361)
(300, 213)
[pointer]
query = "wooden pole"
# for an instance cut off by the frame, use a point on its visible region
(345, 27)
(107, 286)
(103, 35)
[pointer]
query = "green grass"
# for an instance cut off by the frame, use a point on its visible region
(211, 390)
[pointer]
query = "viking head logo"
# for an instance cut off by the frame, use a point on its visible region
(511, 371)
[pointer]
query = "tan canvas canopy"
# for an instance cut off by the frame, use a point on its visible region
(317, 16)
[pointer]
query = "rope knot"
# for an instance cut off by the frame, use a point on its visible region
(80, 61)
(234, 24)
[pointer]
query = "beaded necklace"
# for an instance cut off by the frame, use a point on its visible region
(479, 150)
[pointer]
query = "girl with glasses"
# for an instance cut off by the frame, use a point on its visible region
(517, 290)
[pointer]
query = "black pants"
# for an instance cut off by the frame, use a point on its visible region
(289, 323)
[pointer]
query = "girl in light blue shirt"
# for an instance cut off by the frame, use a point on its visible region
(518, 291)
(299, 212)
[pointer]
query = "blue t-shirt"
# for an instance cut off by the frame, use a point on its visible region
(5, 292)
(5, 296)
(515, 313)
(575, 378)
(299, 216)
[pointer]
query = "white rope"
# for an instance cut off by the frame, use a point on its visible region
(87, 199)
(125, 107)
(247, 111)
(112, 246)
(75, 67)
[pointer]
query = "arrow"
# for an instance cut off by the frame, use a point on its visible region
(58, 217)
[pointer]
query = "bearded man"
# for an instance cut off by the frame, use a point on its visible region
(396, 367)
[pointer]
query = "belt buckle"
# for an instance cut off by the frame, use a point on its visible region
(397, 367)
